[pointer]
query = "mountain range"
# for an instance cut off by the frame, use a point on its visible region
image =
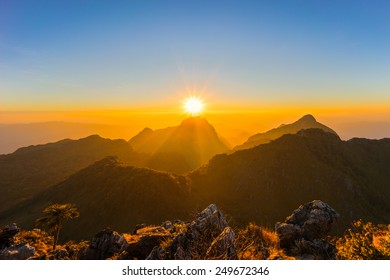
(260, 184)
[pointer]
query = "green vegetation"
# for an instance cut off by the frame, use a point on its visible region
(365, 241)
(55, 214)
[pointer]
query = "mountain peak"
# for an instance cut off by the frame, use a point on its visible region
(307, 118)
(305, 122)
(194, 121)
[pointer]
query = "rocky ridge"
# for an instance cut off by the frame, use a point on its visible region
(207, 236)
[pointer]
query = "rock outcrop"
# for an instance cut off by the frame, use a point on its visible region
(6, 235)
(206, 237)
(102, 246)
(302, 233)
(17, 252)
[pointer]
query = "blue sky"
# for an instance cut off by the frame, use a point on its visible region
(72, 54)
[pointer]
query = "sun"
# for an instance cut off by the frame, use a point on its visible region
(193, 106)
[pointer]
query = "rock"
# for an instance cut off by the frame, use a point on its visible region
(17, 252)
(302, 232)
(60, 254)
(102, 246)
(195, 238)
(156, 253)
(141, 245)
(315, 219)
(210, 221)
(288, 234)
(223, 247)
(6, 235)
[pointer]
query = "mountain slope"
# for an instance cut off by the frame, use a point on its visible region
(29, 170)
(181, 148)
(110, 194)
(306, 122)
(261, 184)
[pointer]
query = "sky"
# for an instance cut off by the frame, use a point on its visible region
(77, 55)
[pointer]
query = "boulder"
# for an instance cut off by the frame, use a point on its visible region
(302, 232)
(17, 252)
(102, 246)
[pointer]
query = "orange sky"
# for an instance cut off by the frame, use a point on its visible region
(232, 123)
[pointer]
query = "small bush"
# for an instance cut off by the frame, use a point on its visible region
(365, 241)
(39, 239)
(256, 243)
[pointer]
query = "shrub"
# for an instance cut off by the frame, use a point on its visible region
(256, 243)
(365, 241)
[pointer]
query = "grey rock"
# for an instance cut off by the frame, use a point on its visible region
(303, 231)
(17, 252)
(223, 246)
(210, 221)
(198, 235)
(102, 246)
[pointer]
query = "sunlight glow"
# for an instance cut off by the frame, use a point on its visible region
(193, 106)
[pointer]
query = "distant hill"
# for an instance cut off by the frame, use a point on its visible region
(29, 170)
(261, 184)
(181, 148)
(14, 136)
(306, 122)
(110, 194)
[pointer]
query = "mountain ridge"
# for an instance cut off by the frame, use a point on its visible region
(305, 122)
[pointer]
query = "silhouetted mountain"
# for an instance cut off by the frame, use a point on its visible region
(110, 194)
(29, 170)
(182, 148)
(306, 122)
(14, 136)
(261, 184)
(149, 141)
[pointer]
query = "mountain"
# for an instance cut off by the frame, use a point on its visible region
(109, 193)
(306, 122)
(182, 148)
(261, 184)
(14, 136)
(30, 170)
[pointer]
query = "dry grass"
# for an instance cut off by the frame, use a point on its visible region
(364, 241)
(257, 243)
(39, 239)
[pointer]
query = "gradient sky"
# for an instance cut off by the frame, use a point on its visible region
(130, 54)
